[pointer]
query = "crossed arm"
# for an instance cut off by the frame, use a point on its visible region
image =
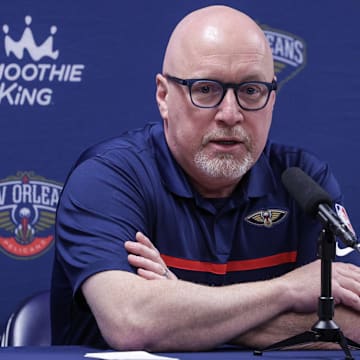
(175, 315)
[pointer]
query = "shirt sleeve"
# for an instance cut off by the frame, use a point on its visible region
(101, 207)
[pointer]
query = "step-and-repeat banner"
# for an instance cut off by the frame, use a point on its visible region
(75, 72)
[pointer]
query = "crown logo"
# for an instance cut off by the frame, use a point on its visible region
(27, 42)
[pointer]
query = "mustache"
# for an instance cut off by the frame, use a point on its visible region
(235, 134)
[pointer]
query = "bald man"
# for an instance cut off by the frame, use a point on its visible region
(196, 199)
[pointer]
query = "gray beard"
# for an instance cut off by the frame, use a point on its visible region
(223, 165)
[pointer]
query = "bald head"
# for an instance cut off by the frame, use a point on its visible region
(211, 33)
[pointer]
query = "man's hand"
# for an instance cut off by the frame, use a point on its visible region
(345, 277)
(195, 317)
(304, 283)
(146, 258)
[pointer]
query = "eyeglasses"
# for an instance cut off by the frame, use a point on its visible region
(206, 93)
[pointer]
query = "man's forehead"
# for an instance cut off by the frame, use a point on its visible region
(225, 67)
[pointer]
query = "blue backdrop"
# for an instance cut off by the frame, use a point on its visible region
(75, 72)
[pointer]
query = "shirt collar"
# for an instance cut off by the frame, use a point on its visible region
(261, 179)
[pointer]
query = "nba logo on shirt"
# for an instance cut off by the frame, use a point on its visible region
(341, 212)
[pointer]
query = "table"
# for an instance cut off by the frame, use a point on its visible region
(78, 352)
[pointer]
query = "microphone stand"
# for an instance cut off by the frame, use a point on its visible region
(325, 329)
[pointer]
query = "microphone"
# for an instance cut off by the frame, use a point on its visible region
(316, 202)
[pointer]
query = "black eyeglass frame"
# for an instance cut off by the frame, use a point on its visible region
(225, 86)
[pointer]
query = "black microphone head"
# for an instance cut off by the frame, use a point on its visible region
(307, 192)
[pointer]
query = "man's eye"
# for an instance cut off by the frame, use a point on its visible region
(205, 89)
(250, 90)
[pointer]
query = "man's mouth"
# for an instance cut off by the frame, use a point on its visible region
(226, 142)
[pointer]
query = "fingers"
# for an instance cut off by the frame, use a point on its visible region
(347, 270)
(348, 298)
(148, 265)
(142, 239)
(346, 284)
(143, 247)
(150, 275)
(146, 258)
(304, 286)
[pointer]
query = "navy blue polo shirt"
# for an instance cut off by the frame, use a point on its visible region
(132, 183)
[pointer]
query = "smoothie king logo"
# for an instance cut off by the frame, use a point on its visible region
(27, 214)
(31, 68)
(289, 52)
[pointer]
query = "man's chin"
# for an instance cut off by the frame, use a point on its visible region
(223, 167)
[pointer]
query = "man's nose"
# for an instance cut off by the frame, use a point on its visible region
(229, 110)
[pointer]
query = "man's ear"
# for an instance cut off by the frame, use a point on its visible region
(161, 95)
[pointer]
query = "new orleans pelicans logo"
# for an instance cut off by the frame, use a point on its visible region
(289, 52)
(267, 217)
(27, 214)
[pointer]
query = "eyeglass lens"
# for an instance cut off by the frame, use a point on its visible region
(209, 93)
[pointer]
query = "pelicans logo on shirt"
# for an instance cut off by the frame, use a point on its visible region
(27, 214)
(266, 218)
